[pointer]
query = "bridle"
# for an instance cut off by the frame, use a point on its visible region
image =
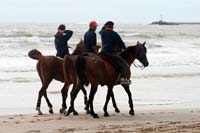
(139, 57)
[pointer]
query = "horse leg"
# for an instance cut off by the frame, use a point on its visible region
(64, 93)
(114, 102)
(110, 94)
(90, 102)
(39, 101)
(48, 103)
(73, 95)
(85, 99)
(126, 87)
(107, 100)
(41, 93)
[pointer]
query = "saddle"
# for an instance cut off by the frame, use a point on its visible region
(59, 58)
(109, 59)
(106, 58)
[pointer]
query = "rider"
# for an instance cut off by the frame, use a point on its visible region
(110, 39)
(61, 38)
(90, 39)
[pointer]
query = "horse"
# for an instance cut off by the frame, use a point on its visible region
(49, 68)
(71, 77)
(98, 71)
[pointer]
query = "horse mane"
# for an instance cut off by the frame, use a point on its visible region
(79, 48)
(126, 53)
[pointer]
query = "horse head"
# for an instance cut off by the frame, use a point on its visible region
(136, 52)
(141, 54)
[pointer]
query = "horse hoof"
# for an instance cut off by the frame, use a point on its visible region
(131, 112)
(75, 113)
(40, 113)
(87, 112)
(117, 110)
(66, 113)
(51, 111)
(95, 116)
(70, 110)
(86, 108)
(62, 111)
(106, 115)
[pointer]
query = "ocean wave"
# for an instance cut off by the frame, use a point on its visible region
(137, 35)
(19, 80)
(22, 34)
(153, 45)
(26, 79)
(33, 39)
(172, 75)
(18, 71)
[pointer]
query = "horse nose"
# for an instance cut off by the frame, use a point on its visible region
(146, 64)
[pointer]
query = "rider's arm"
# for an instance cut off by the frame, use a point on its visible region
(67, 34)
(102, 29)
(94, 42)
(120, 41)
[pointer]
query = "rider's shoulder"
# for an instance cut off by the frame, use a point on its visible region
(67, 32)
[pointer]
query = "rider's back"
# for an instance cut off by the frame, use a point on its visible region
(110, 39)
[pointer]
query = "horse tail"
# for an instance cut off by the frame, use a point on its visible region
(35, 54)
(67, 66)
(80, 66)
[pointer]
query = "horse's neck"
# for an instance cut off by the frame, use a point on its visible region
(79, 48)
(130, 56)
(130, 61)
(78, 51)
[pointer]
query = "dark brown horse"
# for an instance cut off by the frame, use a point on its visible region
(97, 71)
(49, 68)
(71, 77)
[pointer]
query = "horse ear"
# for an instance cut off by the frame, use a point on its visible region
(81, 40)
(144, 43)
(138, 42)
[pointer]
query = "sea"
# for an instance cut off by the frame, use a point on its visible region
(171, 81)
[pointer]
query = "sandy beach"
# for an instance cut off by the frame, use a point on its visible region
(145, 121)
(165, 95)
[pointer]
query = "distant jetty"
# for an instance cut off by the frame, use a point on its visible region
(174, 23)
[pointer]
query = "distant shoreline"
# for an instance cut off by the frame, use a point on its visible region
(174, 23)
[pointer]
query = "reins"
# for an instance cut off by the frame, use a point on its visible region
(138, 66)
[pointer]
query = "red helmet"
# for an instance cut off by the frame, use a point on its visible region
(93, 24)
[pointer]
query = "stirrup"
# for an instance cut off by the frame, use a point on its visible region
(124, 81)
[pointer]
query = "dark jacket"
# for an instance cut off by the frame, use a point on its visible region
(90, 40)
(110, 39)
(61, 43)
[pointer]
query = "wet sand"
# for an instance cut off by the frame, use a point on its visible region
(145, 121)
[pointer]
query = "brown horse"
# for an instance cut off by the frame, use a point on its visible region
(71, 77)
(97, 71)
(49, 68)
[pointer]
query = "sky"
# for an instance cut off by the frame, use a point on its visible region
(83, 11)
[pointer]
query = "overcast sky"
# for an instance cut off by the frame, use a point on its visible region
(82, 11)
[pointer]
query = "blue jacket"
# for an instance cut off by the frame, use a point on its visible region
(110, 39)
(90, 40)
(61, 43)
